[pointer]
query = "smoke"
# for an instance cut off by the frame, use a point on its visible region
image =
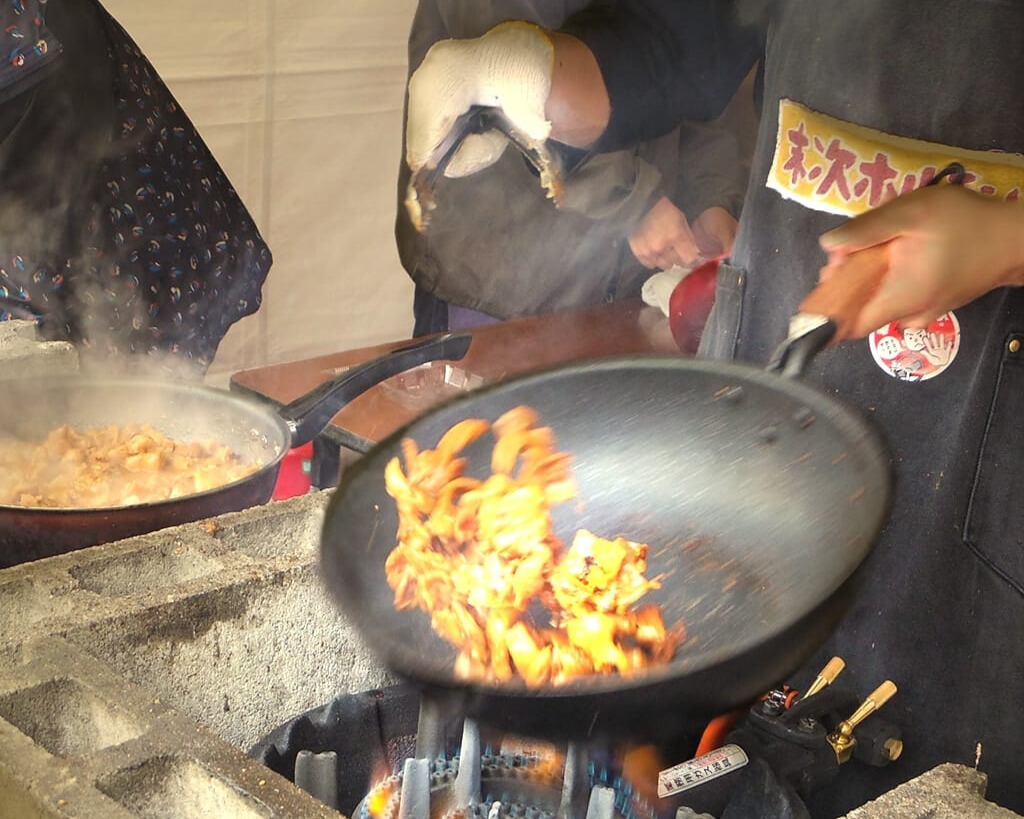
(56, 252)
(57, 141)
(118, 229)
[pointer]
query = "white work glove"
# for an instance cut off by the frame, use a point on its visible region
(509, 67)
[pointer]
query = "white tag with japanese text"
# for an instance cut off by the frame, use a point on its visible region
(704, 768)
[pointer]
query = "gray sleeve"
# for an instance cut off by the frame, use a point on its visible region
(711, 169)
(616, 188)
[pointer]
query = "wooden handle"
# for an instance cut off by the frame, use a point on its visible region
(852, 284)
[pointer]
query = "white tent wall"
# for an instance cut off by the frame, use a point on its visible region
(302, 105)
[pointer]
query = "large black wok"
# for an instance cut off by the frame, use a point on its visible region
(181, 410)
(759, 497)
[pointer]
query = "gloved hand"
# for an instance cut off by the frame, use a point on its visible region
(509, 67)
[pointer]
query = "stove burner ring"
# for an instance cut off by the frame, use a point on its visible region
(511, 786)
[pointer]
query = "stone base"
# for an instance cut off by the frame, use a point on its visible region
(134, 675)
(945, 792)
(22, 354)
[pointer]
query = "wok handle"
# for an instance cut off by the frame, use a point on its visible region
(309, 415)
(859, 275)
(828, 312)
(853, 284)
(792, 355)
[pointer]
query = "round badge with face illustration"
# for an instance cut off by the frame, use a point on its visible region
(916, 354)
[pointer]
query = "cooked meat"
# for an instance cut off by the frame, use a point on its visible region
(477, 554)
(112, 466)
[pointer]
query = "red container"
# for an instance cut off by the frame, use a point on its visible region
(689, 305)
(293, 478)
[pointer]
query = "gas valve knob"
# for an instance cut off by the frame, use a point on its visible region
(893, 747)
(842, 739)
(833, 668)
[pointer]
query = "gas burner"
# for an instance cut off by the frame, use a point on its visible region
(786, 748)
(501, 785)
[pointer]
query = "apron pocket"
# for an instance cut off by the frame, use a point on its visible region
(723, 325)
(994, 528)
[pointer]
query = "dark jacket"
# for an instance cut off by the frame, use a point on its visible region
(496, 244)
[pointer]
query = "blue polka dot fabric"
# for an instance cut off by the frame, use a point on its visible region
(28, 46)
(141, 247)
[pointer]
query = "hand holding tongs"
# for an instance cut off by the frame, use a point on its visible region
(478, 119)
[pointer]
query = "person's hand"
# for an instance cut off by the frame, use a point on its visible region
(942, 247)
(509, 67)
(715, 232)
(663, 238)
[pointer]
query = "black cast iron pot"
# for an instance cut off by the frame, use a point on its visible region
(180, 410)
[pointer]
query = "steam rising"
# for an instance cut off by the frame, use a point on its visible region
(118, 228)
(51, 242)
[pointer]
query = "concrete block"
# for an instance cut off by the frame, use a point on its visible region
(945, 792)
(23, 354)
(135, 675)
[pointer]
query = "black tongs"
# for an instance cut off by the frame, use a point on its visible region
(478, 119)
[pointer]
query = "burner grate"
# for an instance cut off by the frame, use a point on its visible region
(384, 754)
(500, 785)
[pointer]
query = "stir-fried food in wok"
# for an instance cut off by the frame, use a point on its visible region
(112, 466)
(478, 554)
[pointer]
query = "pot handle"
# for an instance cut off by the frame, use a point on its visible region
(805, 341)
(310, 414)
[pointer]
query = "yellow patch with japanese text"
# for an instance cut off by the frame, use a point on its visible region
(834, 166)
